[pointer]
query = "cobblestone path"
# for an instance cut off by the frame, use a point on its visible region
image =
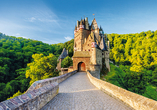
(78, 93)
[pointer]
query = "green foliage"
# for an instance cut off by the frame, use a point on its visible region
(151, 92)
(137, 56)
(42, 67)
(141, 82)
(137, 50)
(135, 82)
(115, 76)
(66, 62)
(15, 53)
(15, 95)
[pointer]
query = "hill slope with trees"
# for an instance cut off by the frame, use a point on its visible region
(15, 54)
(136, 55)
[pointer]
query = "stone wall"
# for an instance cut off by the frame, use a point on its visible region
(45, 82)
(95, 70)
(134, 100)
(32, 100)
(63, 71)
(37, 95)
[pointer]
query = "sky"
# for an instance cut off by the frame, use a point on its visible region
(53, 21)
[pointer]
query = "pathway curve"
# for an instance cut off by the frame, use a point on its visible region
(78, 93)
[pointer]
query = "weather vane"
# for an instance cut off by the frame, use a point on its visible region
(94, 15)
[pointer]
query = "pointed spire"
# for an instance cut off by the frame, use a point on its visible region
(103, 44)
(100, 28)
(81, 22)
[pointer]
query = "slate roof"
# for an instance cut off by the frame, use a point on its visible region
(81, 54)
(103, 44)
(63, 54)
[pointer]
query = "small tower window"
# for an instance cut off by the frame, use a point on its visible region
(88, 44)
(85, 50)
(89, 50)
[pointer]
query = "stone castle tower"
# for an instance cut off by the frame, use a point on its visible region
(90, 47)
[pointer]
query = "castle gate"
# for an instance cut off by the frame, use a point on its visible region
(81, 60)
(81, 66)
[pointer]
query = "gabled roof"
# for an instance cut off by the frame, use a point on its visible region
(63, 54)
(103, 44)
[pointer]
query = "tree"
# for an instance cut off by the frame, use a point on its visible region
(135, 82)
(42, 67)
(66, 62)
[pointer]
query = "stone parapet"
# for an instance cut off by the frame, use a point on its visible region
(41, 83)
(32, 100)
(37, 95)
(134, 100)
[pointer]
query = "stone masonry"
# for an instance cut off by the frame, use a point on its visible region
(77, 93)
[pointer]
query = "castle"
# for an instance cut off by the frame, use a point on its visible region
(90, 47)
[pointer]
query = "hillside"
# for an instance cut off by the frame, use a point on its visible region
(136, 55)
(118, 77)
(15, 54)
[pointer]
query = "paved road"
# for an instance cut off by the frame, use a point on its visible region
(77, 93)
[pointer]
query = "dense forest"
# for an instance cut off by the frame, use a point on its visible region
(17, 56)
(136, 55)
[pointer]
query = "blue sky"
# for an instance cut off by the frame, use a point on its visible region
(53, 21)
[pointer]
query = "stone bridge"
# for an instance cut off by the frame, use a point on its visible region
(81, 91)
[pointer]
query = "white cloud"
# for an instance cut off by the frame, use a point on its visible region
(68, 38)
(32, 19)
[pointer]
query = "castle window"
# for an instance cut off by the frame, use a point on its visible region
(88, 44)
(89, 50)
(102, 53)
(85, 50)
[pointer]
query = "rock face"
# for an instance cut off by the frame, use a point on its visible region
(90, 47)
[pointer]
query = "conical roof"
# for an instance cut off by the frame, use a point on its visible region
(103, 44)
(63, 54)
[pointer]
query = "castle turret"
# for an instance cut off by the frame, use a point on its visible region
(81, 24)
(75, 30)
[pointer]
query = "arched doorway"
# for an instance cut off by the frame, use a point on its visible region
(81, 66)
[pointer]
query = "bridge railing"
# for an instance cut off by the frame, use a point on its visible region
(134, 100)
(37, 96)
(41, 83)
